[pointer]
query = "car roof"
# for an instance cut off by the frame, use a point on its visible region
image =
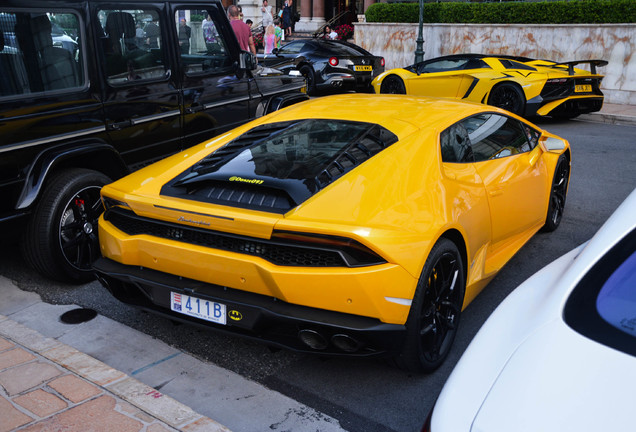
(400, 114)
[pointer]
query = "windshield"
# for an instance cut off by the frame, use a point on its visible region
(616, 302)
(602, 307)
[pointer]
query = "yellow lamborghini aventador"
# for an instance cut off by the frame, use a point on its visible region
(521, 85)
(346, 225)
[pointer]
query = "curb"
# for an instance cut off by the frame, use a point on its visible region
(147, 399)
(616, 119)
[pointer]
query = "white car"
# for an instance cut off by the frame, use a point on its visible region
(559, 354)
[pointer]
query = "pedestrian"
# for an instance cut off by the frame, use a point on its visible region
(278, 32)
(269, 40)
(210, 34)
(241, 30)
(329, 33)
(140, 35)
(249, 23)
(287, 17)
(268, 18)
(184, 36)
(152, 33)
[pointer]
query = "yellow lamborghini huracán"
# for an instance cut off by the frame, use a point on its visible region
(346, 225)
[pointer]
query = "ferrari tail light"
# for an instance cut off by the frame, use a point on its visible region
(333, 61)
(382, 61)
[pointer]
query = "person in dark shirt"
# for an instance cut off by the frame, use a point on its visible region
(184, 36)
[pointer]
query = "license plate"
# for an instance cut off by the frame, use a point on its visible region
(583, 88)
(198, 308)
(363, 68)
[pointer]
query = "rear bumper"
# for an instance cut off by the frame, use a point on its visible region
(263, 318)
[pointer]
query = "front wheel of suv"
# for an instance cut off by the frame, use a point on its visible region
(61, 237)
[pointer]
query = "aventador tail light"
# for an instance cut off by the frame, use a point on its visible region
(333, 61)
(557, 81)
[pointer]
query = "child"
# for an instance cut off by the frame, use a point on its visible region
(269, 40)
(278, 32)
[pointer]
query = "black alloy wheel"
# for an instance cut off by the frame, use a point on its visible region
(558, 194)
(393, 84)
(61, 238)
(310, 76)
(435, 310)
(509, 97)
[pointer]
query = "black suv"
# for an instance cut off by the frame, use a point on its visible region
(91, 90)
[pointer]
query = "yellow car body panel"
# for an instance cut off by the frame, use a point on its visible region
(398, 217)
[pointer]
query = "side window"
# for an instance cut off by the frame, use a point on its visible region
(132, 45)
(493, 136)
(39, 52)
(455, 144)
(202, 47)
(292, 48)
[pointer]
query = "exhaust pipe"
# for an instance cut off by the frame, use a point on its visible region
(346, 343)
(313, 339)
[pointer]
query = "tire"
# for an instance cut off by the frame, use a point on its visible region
(393, 84)
(310, 76)
(558, 194)
(60, 240)
(509, 97)
(435, 311)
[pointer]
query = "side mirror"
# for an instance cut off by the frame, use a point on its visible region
(275, 51)
(551, 144)
(247, 61)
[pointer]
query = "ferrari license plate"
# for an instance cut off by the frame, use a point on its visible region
(366, 68)
(198, 308)
(583, 88)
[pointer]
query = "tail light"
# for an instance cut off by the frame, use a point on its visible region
(557, 81)
(333, 61)
(354, 253)
(382, 61)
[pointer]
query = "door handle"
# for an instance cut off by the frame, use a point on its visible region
(194, 108)
(119, 125)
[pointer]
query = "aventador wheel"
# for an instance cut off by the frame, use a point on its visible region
(509, 97)
(393, 85)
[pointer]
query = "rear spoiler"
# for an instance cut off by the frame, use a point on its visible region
(593, 64)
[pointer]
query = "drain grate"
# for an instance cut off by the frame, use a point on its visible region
(77, 316)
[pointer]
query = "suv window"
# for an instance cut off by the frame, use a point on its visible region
(131, 44)
(202, 48)
(38, 53)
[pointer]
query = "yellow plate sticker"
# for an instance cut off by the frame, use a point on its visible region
(363, 68)
(583, 88)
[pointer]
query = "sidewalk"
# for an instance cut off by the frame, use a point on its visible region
(613, 114)
(102, 376)
(46, 385)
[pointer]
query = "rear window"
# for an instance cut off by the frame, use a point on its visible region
(603, 305)
(336, 48)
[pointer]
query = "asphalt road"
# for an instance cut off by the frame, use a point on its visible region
(369, 395)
